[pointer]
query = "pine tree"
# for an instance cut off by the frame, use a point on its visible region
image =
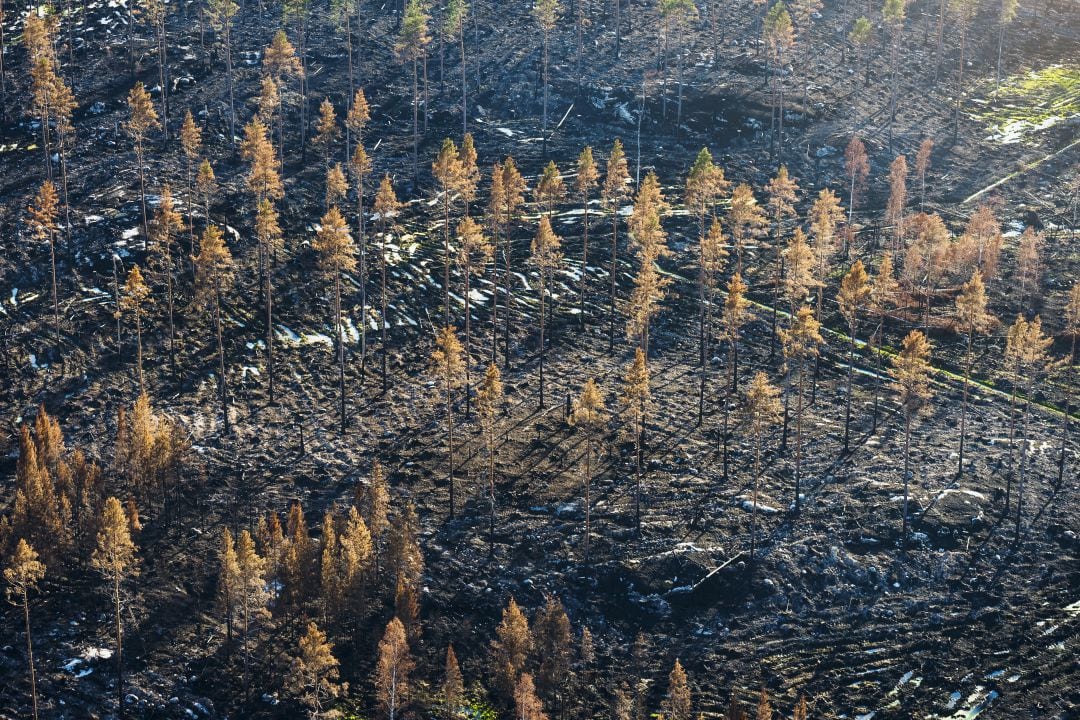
(554, 648)
(546, 13)
(356, 120)
(894, 208)
(191, 144)
(489, 403)
(800, 712)
(407, 608)
(313, 672)
(404, 558)
(511, 647)
(167, 222)
(801, 342)
(457, 13)
(588, 414)
(448, 366)
(263, 179)
(280, 62)
(337, 187)
(376, 505)
(546, 258)
(354, 564)
(470, 171)
(326, 130)
(206, 186)
(360, 167)
(448, 172)
(410, 47)
(115, 559)
(861, 38)
(587, 178)
(213, 277)
(527, 705)
(42, 221)
(746, 220)
(453, 688)
(677, 704)
(386, 208)
(636, 408)
(764, 707)
(1027, 361)
(336, 255)
(1072, 329)
(253, 593)
(783, 191)
(911, 370)
(713, 256)
(884, 295)
(779, 36)
(981, 242)
(649, 242)
(41, 514)
(922, 163)
(269, 235)
(762, 409)
(392, 670)
(229, 585)
(857, 167)
(616, 177)
(893, 12)
(550, 189)
(676, 15)
(926, 258)
(221, 13)
(853, 298)
(972, 317)
(474, 253)
(512, 187)
(23, 573)
(136, 296)
(1029, 268)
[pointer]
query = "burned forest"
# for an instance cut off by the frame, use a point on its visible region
(540, 359)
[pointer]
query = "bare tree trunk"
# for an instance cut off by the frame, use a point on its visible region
(907, 476)
(799, 437)
(30, 653)
(584, 259)
(119, 648)
(269, 323)
(450, 437)
(340, 340)
(964, 403)
(138, 350)
(222, 388)
(588, 487)
(847, 392)
(1068, 409)
(1023, 460)
(614, 262)
(542, 345)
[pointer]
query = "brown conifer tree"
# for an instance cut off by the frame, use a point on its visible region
(511, 648)
(911, 370)
(1028, 268)
(746, 221)
(489, 402)
(360, 168)
(713, 256)
(972, 317)
(191, 144)
(783, 191)
(513, 198)
(588, 414)
(313, 672)
(228, 587)
(448, 367)
(136, 296)
(213, 277)
(546, 258)
(853, 298)
(554, 648)
(337, 255)
(474, 252)
(386, 208)
(762, 409)
(115, 559)
(884, 295)
(615, 190)
(142, 119)
(280, 62)
(167, 222)
(269, 235)
(448, 172)
(857, 167)
(392, 670)
(587, 178)
(1027, 362)
(550, 189)
(894, 208)
(736, 313)
(677, 704)
(527, 705)
(704, 184)
(23, 573)
(376, 506)
(801, 342)
(922, 163)
(326, 130)
(764, 707)
(42, 221)
(453, 687)
(636, 408)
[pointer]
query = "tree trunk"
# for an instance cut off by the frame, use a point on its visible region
(229, 80)
(450, 437)
(964, 403)
(30, 653)
(584, 260)
(1068, 409)
(138, 350)
(55, 300)
(614, 261)
(446, 255)
(1023, 461)
(119, 648)
(847, 392)
(542, 346)
(907, 473)
(382, 317)
(415, 120)
(222, 388)
(588, 487)
(340, 341)
(464, 96)
(269, 323)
